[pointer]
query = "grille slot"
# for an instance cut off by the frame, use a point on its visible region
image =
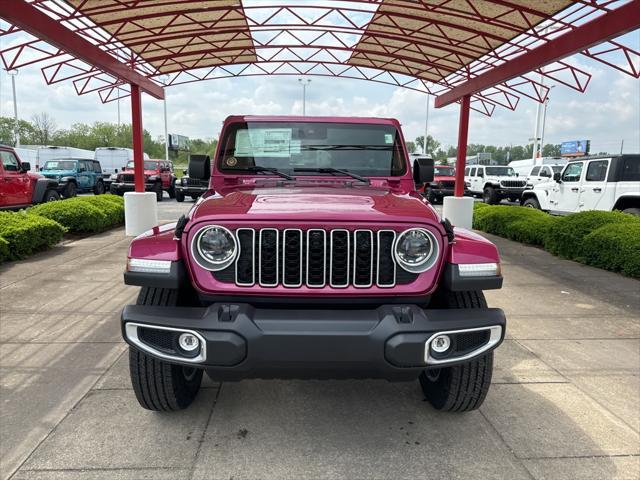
(513, 183)
(315, 258)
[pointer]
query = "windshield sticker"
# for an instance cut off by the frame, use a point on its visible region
(265, 142)
(231, 161)
(388, 138)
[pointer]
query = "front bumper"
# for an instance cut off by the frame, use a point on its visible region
(240, 341)
(509, 192)
(191, 189)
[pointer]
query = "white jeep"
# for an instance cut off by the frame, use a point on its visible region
(590, 183)
(494, 183)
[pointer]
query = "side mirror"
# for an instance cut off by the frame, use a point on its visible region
(557, 177)
(199, 167)
(185, 171)
(517, 174)
(25, 167)
(423, 170)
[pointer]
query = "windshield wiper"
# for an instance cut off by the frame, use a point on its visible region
(258, 169)
(346, 147)
(333, 171)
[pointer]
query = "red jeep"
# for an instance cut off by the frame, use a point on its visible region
(315, 258)
(19, 187)
(158, 177)
(444, 180)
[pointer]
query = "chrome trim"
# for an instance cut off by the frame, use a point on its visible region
(222, 265)
(284, 255)
(260, 282)
(331, 284)
(393, 259)
(324, 257)
(432, 259)
(355, 258)
(494, 339)
(131, 331)
(253, 257)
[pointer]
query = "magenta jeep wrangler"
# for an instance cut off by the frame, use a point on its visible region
(315, 258)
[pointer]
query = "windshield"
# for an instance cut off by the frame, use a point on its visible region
(501, 171)
(147, 165)
(304, 148)
(444, 171)
(60, 165)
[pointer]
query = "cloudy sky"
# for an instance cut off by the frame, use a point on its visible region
(607, 113)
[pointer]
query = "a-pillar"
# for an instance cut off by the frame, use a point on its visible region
(459, 209)
(140, 207)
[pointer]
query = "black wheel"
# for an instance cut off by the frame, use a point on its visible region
(51, 196)
(70, 190)
(632, 211)
(159, 192)
(459, 388)
(431, 196)
(98, 189)
(531, 202)
(159, 385)
(179, 196)
(490, 196)
(172, 190)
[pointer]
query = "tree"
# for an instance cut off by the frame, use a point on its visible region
(550, 150)
(7, 131)
(411, 147)
(45, 128)
(432, 144)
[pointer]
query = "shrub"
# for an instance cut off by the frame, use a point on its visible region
(114, 210)
(23, 233)
(614, 247)
(566, 238)
(76, 214)
(517, 223)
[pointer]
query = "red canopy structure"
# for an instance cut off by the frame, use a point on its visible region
(484, 54)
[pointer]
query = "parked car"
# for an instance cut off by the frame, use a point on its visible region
(113, 160)
(158, 178)
(494, 183)
(75, 176)
(20, 188)
(318, 259)
(443, 184)
(590, 183)
(542, 174)
(523, 167)
(192, 187)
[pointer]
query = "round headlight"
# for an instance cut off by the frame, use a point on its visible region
(216, 248)
(416, 250)
(183, 181)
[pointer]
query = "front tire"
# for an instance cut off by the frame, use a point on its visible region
(172, 190)
(431, 196)
(70, 190)
(632, 211)
(489, 196)
(459, 388)
(98, 189)
(531, 202)
(159, 192)
(179, 196)
(158, 385)
(50, 196)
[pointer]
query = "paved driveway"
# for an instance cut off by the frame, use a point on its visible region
(564, 403)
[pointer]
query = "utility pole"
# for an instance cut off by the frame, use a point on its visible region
(304, 84)
(426, 128)
(16, 128)
(544, 120)
(621, 146)
(165, 79)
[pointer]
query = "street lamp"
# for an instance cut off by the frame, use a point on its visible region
(16, 131)
(165, 79)
(426, 129)
(304, 84)
(544, 119)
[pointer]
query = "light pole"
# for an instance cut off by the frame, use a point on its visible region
(426, 129)
(164, 79)
(16, 129)
(544, 120)
(304, 84)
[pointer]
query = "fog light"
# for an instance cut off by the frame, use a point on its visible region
(188, 342)
(441, 343)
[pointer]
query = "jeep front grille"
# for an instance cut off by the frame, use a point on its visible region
(127, 178)
(513, 183)
(447, 183)
(315, 258)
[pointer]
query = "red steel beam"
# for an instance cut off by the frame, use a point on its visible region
(463, 134)
(612, 24)
(32, 20)
(138, 142)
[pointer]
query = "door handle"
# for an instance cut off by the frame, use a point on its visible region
(597, 190)
(574, 190)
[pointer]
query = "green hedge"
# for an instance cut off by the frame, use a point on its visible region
(84, 214)
(24, 233)
(609, 240)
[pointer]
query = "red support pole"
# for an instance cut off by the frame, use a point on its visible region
(463, 134)
(138, 145)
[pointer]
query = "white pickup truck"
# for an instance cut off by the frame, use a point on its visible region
(590, 183)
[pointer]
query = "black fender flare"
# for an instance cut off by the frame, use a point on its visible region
(41, 187)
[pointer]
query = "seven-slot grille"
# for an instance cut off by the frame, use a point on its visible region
(194, 182)
(126, 177)
(513, 183)
(447, 183)
(315, 258)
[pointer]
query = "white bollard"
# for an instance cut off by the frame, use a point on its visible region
(459, 211)
(140, 212)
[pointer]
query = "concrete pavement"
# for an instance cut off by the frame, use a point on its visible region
(564, 403)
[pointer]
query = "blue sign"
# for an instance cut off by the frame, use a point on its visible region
(574, 148)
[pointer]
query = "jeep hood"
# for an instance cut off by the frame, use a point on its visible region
(318, 203)
(58, 173)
